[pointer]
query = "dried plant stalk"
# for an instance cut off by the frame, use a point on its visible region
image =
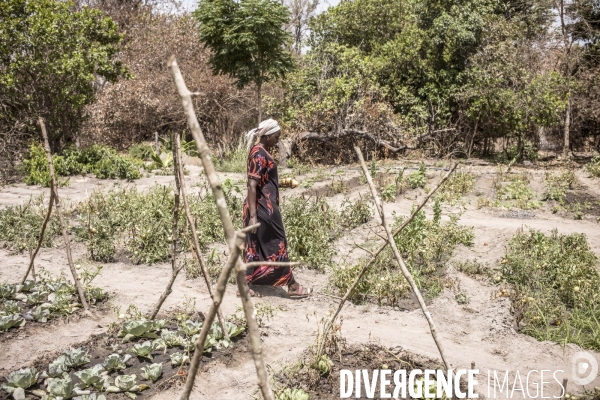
(403, 268)
(54, 189)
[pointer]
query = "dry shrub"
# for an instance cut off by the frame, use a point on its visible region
(132, 110)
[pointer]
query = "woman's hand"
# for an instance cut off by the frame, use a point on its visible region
(253, 220)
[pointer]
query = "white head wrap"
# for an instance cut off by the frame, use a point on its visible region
(265, 128)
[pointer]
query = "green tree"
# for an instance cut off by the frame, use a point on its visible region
(53, 59)
(247, 40)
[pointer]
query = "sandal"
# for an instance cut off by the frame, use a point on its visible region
(252, 293)
(301, 293)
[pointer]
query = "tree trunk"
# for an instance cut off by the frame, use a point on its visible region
(567, 144)
(258, 90)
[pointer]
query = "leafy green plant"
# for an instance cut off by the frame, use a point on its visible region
(137, 329)
(10, 321)
(171, 339)
(102, 161)
(178, 359)
(76, 357)
(21, 379)
(418, 179)
(143, 350)
(558, 184)
(309, 225)
(91, 377)
(114, 362)
(516, 192)
(141, 151)
(354, 214)
(388, 193)
(57, 368)
(152, 372)
(324, 365)
(235, 161)
(190, 328)
(293, 394)
(125, 383)
(555, 280)
(459, 184)
(61, 388)
(593, 167)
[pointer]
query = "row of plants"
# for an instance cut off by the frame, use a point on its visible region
(102, 161)
(46, 298)
(136, 360)
(425, 244)
(555, 283)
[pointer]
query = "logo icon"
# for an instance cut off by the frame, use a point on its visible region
(585, 368)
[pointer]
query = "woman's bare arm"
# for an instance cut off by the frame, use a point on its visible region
(252, 185)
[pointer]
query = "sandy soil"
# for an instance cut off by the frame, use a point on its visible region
(481, 332)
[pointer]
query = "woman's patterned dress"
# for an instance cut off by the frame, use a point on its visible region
(269, 242)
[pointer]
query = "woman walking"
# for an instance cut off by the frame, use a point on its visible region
(268, 242)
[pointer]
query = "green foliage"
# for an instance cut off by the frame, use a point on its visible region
(513, 190)
(235, 161)
(102, 161)
(555, 280)
(308, 226)
(21, 225)
(355, 213)
(594, 167)
(425, 246)
(23, 379)
(293, 394)
(247, 39)
(459, 184)
(141, 151)
(53, 55)
(558, 184)
(473, 268)
(418, 179)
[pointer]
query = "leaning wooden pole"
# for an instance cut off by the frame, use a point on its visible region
(374, 256)
(174, 237)
(179, 171)
(54, 189)
(403, 268)
(230, 234)
(40, 238)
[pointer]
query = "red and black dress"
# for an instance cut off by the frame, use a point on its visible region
(269, 242)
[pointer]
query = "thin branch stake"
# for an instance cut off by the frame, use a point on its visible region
(330, 323)
(233, 240)
(403, 268)
(54, 189)
(196, 249)
(32, 256)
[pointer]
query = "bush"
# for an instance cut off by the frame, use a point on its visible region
(594, 167)
(418, 179)
(425, 246)
(455, 187)
(21, 225)
(555, 280)
(516, 192)
(309, 225)
(103, 161)
(558, 184)
(355, 213)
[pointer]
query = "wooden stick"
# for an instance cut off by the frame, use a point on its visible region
(40, 239)
(253, 331)
(54, 189)
(403, 268)
(202, 146)
(376, 254)
(230, 234)
(196, 249)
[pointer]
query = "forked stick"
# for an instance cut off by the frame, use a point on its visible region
(230, 234)
(179, 171)
(40, 239)
(54, 189)
(374, 258)
(174, 269)
(403, 268)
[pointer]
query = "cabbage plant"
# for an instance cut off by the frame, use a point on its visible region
(62, 388)
(293, 394)
(178, 359)
(126, 383)
(37, 297)
(171, 338)
(143, 349)
(27, 285)
(21, 379)
(190, 328)
(152, 371)
(40, 313)
(76, 357)
(57, 367)
(11, 321)
(233, 330)
(115, 363)
(7, 291)
(137, 329)
(91, 377)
